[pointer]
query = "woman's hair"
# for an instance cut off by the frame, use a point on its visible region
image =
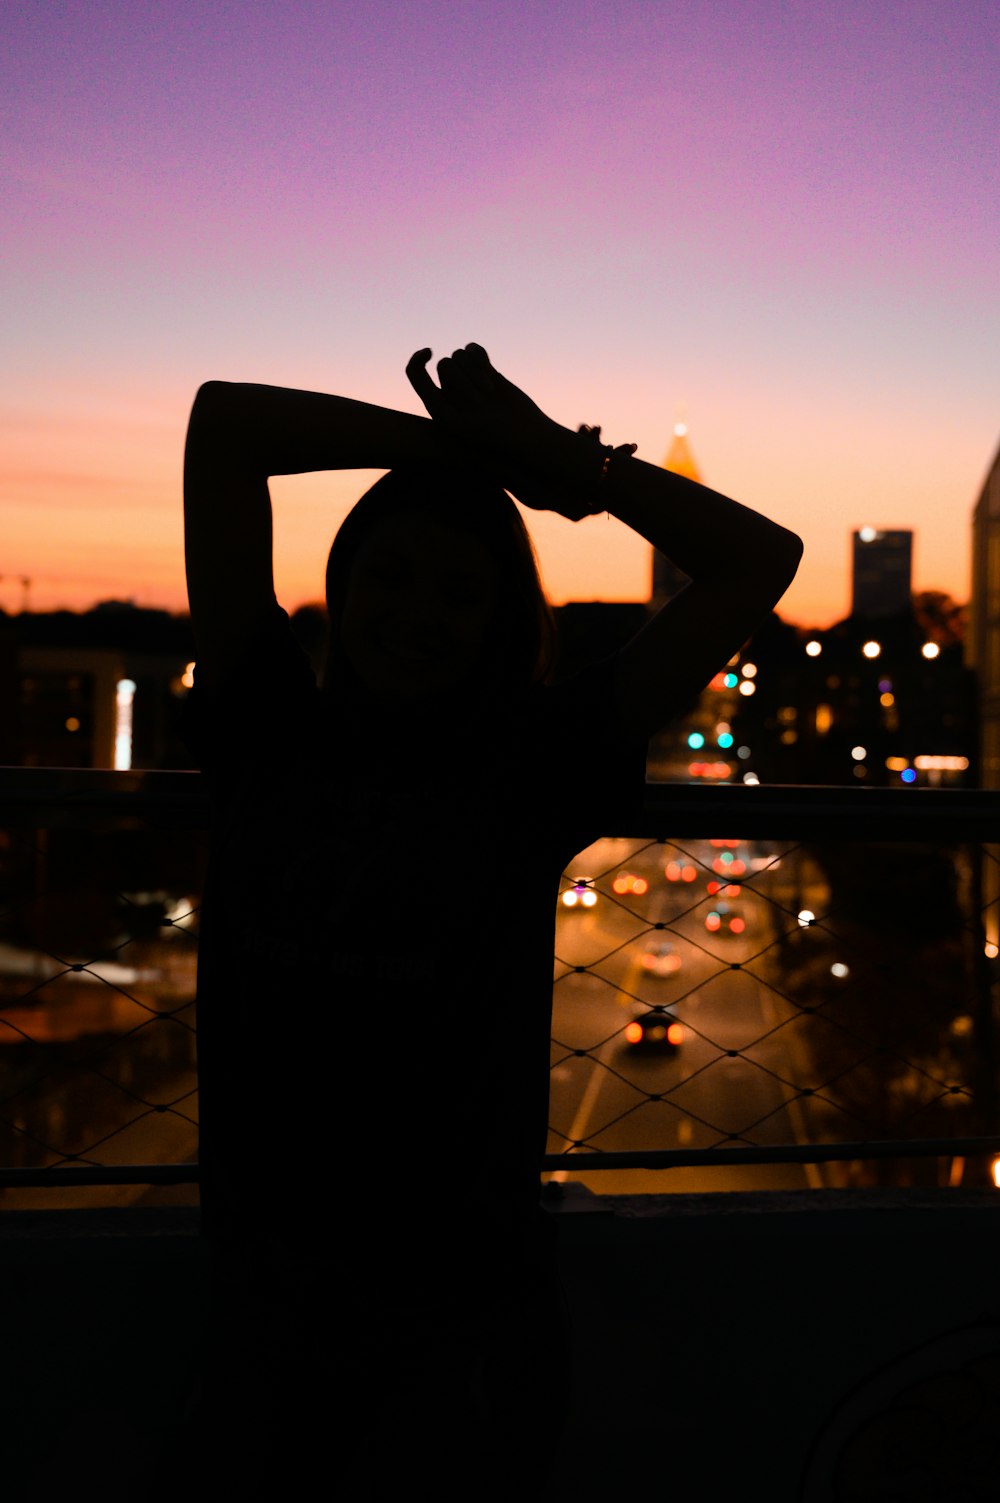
(520, 645)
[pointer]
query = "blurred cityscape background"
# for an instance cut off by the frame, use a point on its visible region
(708, 991)
(784, 220)
(904, 691)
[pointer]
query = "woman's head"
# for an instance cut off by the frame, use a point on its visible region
(432, 588)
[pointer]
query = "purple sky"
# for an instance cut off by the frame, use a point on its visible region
(778, 217)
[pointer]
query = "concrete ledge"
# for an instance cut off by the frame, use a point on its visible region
(724, 1342)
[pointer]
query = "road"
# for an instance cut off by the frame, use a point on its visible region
(727, 1076)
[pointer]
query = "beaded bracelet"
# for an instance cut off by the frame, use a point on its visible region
(609, 453)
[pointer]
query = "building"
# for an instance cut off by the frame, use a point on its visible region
(881, 570)
(883, 704)
(103, 688)
(983, 652)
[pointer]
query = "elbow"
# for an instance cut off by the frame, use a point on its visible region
(785, 560)
(776, 568)
(794, 549)
(211, 414)
(211, 398)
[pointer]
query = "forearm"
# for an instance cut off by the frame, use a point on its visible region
(700, 531)
(275, 430)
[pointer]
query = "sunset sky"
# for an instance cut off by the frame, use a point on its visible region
(777, 217)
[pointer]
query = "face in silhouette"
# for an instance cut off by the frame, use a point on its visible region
(420, 600)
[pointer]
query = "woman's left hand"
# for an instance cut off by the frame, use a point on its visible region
(547, 466)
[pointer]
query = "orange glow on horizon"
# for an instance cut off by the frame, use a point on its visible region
(92, 511)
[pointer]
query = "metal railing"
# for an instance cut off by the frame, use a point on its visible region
(777, 978)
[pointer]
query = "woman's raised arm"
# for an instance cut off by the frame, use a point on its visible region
(238, 436)
(739, 563)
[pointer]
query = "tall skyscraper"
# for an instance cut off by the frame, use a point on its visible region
(984, 622)
(880, 580)
(667, 578)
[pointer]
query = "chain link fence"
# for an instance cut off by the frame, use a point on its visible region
(803, 998)
(100, 882)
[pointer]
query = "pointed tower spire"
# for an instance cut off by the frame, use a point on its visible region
(680, 460)
(667, 578)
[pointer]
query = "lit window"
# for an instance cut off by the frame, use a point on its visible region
(859, 753)
(872, 649)
(813, 649)
(747, 687)
(749, 670)
(930, 650)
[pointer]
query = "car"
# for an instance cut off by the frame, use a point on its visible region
(655, 1032)
(628, 882)
(725, 918)
(680, 871)
(660, 958)
(580, 894)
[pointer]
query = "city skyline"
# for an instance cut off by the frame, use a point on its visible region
(781, 224)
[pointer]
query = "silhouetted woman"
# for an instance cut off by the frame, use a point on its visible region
(376, 970)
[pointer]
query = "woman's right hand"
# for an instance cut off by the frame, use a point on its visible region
(545, 465)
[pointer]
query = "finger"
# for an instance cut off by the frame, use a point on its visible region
(455, 377)
(420, 377)
(474, 364)
(453, 373)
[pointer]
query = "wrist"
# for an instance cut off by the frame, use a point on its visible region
(605, 463)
